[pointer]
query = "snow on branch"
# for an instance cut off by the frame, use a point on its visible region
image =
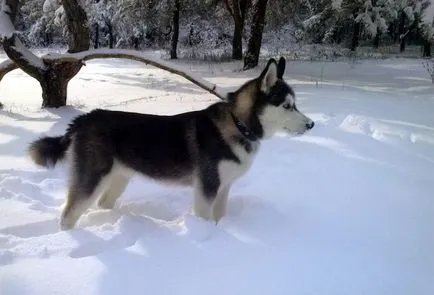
(24, 58)
(6, 27)
(140, 57)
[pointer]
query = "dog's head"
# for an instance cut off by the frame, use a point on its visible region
(270, 102)
(280, 112)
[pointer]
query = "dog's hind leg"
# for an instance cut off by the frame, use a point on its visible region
(81, 195)
(90, 175)
(202, 206)
(220, 203)
(113, 191)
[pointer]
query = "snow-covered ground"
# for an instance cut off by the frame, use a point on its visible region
(346, 209)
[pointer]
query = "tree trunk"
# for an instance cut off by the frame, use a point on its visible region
(401, 31)
(110, 32)
(54, 92)
(377, 39)
(78, 29)
(427, 49)
(238, 11)
(392, 32)
(254, 47)
(53, 76)
(175, 33)
(237, 41)
(136, 42)
(54, 81)
(402, 44)
(96, 35)
(355, 39)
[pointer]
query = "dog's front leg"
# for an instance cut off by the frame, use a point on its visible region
(220, 204)
(206, 186)
(202, 206)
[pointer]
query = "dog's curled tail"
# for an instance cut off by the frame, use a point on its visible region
(47, 151)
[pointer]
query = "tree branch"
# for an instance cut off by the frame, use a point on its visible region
(140, 57)
(237, 10)
(16, 51)
(7, 66)
(22, 57)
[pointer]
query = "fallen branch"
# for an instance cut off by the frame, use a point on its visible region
(8, 65)
(140, 57)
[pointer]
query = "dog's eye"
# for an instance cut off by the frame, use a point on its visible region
(287, 106)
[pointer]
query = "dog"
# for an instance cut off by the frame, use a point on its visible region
(208, 149)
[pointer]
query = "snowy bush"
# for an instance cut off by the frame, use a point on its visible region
(281, 40)
(204, 39)
(44, 26)
(372, 18)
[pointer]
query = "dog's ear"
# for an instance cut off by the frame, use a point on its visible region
(269, 76)
(281, 68)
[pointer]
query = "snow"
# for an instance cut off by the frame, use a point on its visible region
(6, 27)
(345, 209)
(50, 5)
(28, 55)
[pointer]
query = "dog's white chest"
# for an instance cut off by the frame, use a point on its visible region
(229, 171)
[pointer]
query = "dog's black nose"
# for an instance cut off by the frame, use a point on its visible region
(310, 125)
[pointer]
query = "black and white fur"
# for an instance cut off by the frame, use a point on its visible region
(208, 149)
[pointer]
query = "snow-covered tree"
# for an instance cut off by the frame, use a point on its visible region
(44, 21)
(319, 26)
(52, 75)
(208, 27)
(407, 20)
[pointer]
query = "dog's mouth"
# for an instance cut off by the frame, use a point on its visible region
(294, 133)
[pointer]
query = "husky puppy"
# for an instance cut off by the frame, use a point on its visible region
(208, 149)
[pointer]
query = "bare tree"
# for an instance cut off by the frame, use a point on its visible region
(238, 10)
(54, 71)
(52, 75)
(254, 47)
